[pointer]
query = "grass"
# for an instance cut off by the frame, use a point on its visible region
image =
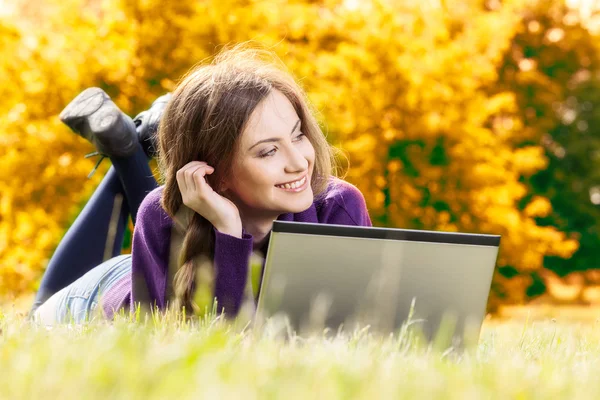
(166, 358)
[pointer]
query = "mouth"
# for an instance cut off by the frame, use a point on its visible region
(295, 186)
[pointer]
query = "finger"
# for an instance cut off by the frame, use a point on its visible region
(192, 181)
(184, 177)
(192, 164)
(198, 176)
(195, 163)
(180, 176)
(189, 177)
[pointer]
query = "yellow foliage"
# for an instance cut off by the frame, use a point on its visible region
(403, 88)
(538, 207)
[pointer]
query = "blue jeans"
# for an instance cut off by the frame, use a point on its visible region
(78, 302)
(84, 246)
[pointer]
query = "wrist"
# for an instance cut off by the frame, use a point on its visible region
(232, 228)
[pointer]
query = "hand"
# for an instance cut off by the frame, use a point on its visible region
(200, 197)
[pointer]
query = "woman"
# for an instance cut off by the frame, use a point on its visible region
(238, 148)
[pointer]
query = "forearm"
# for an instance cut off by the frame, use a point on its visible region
(232, 259)
(232, 227)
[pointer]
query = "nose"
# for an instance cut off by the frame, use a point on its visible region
(296, 161)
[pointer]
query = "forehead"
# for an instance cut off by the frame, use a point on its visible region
(275, 116)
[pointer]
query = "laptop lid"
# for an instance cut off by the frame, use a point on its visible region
(337, 275)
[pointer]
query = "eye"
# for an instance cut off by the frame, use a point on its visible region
(268, 153)
(300, 137)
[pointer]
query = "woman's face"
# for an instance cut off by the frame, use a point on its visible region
(274, 162)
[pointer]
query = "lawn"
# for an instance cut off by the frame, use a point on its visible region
(213, 359)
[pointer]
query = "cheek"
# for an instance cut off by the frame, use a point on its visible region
(253, 181)
(309, 152)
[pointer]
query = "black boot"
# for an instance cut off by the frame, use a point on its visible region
(147, 123)
(94, 116)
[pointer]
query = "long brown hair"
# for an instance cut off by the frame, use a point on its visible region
(203, 121)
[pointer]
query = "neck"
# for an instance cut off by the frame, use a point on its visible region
(259, 228)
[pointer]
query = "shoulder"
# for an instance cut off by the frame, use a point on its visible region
(151, 210)
(152, 199)
(343, 200)
(340, 192)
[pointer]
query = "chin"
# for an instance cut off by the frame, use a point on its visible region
(301, 204)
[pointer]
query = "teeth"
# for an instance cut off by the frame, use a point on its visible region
(293, 185)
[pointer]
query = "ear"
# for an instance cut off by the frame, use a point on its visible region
(222, 187)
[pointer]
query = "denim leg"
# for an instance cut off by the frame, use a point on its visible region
(136, 178)
(79, 301)
(83, 246)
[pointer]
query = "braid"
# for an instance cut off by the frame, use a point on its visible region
(196, 267)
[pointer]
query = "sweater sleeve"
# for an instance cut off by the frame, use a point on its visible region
(150, 252)
(150, 260)
(231, 262)
(344, 204)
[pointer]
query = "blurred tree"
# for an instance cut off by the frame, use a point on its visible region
(406, 89)
(552, 66)
(50, 52)
(410, 91)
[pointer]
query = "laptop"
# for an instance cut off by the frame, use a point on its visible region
(347, 277)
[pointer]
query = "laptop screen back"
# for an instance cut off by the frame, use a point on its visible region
(333, 275)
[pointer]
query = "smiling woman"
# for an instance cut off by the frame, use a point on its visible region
(238, 148)
(277, 163)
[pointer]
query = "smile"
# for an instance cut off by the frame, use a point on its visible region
(296, 186)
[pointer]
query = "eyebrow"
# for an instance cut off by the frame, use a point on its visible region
(273, 139)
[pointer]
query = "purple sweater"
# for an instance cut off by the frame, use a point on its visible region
(341, 204)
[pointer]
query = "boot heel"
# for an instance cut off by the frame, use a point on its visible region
(94, 116)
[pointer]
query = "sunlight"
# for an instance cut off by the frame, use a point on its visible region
(352, 5)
